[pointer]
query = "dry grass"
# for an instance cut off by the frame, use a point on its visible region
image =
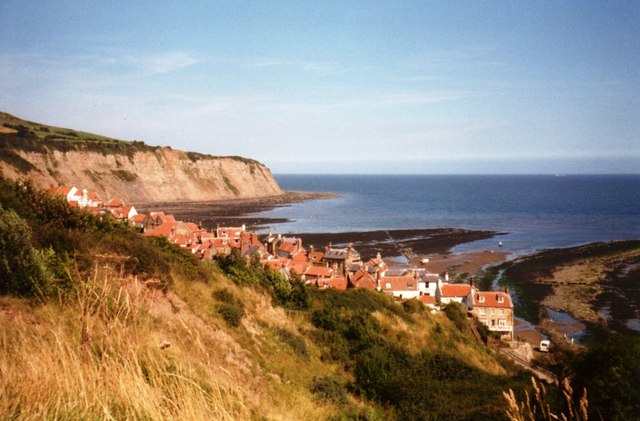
(99, 357)
(535, 407)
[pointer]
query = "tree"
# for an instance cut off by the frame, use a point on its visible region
(21, 269)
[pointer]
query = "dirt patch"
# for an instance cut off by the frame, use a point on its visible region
(7, 130)
(467, 262)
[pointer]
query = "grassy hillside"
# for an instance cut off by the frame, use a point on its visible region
(18, 134)
(97, 322)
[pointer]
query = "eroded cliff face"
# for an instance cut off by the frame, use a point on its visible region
(160, 175)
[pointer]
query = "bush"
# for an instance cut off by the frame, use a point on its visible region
(226, 296)
(329, 389)
(22, 269)
(296, 342)
(413, 306)
(456, 312)
(231, 313)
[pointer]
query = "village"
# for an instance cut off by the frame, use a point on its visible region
(333, 267)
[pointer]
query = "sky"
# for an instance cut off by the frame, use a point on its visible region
(339, 86)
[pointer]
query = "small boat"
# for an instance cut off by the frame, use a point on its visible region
(424, 261)
(499, 243)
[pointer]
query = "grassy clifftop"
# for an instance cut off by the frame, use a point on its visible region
(99, 322)
(37, 137)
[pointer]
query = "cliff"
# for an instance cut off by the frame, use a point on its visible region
(133, 171)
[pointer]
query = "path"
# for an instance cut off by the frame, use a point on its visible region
(540, 373)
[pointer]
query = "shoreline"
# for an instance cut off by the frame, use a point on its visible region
(233, 212)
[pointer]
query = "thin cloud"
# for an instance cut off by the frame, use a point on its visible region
(167, 62)
(316, 67)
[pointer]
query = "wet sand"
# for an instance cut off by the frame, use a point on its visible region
(467, 262)
(413, 244)
(595, 283)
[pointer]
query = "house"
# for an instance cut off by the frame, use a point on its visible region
(89, 199)
(314, 273)
(315, 257)
(403, 286)
(364, 279)
(77, 198)
(70, 193)
(448, 293)
(342, 257)
(494, 309)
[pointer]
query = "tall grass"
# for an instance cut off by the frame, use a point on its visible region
(96, 356)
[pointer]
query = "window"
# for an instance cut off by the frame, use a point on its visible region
(481, 298)
(482, 311)
(387, 285)
(500, 299)
(502, 322)
(501, 311)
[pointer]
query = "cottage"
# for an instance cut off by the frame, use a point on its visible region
(341, 257)
(448, 293)
(364, 279)
(494, 309)
(403, 287)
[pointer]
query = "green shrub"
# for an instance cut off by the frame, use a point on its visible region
(226, 296)
(413, 306)
(125, 176)
(296, 342)
(328, 388)
(456, 312)
(231, 313)
(22, 269)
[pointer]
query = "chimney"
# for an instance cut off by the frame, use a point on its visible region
(311, 249)
(471, 281)
(506, 290)
(446, 276)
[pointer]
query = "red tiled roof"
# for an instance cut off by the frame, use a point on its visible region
(166, 218)
(455, 290)
(362, 279)
(288, 247)
(491, 299)
(399, 283)
(64, 190)
(163, 230)
(427, 299)
(298, 267)
(300, 256)
(316, 256)
(115, 203)
(94, 196)
(319, 271)
(335, 283)
(139, 218)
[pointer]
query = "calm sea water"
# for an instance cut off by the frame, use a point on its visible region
(535, 212)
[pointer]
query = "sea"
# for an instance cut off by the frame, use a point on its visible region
(532, 212)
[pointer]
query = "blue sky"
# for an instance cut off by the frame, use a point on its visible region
(339, 86)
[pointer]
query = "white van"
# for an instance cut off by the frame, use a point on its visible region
(544, 345)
